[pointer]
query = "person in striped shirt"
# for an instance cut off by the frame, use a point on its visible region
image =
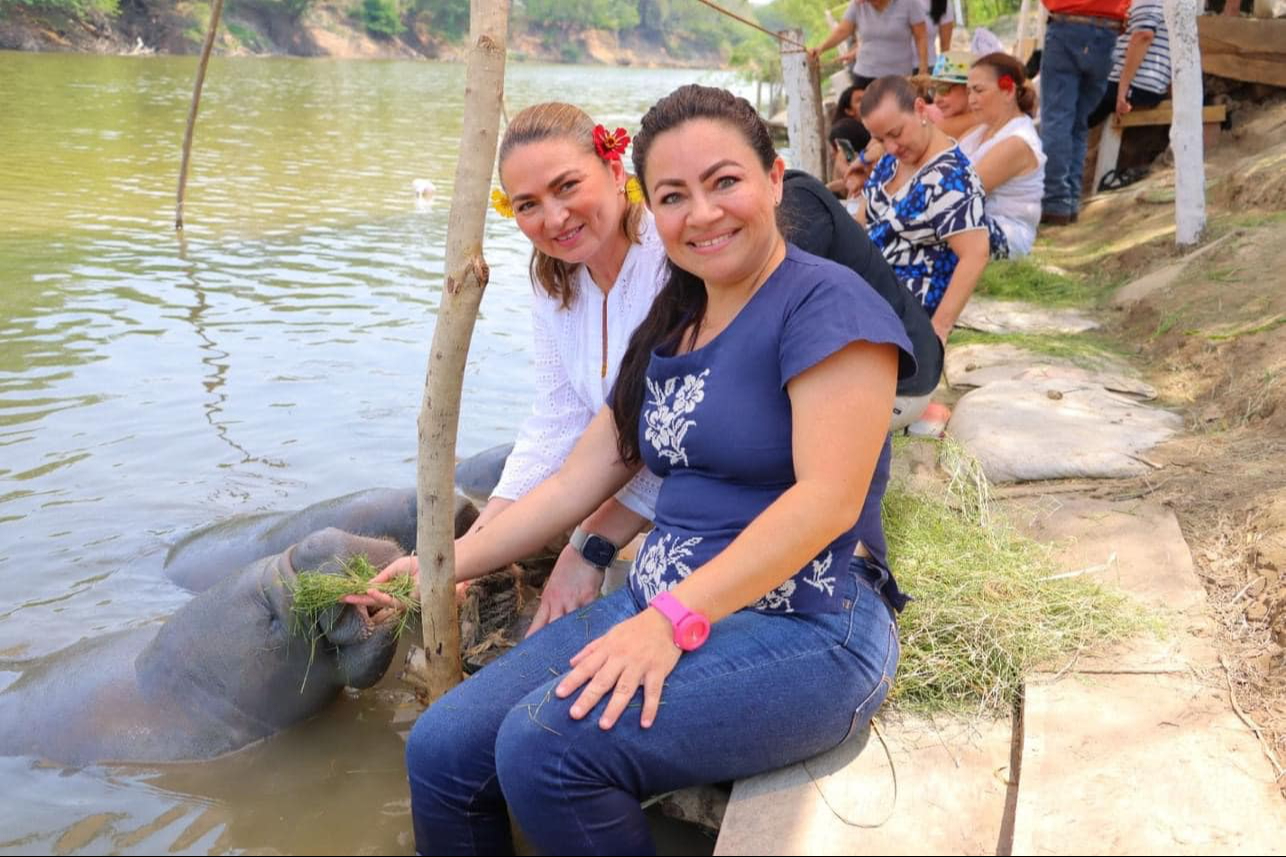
(1140, 75)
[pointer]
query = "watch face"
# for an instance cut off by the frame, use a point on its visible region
(693, 631)
(598, 551)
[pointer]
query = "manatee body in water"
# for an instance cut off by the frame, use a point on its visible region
(227, 669)
(477, 476)
(205, 556)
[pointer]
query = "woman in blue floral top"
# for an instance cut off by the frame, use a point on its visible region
(758, 627)
(923, 203)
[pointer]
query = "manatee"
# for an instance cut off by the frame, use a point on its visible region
(477, 476)
(204, 557)
(228, 669)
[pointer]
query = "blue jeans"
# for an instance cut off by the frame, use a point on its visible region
(763, 692)
(1073, 77)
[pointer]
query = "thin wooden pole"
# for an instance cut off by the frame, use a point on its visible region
(466, 278)
(1186, 137)
(216, 9)
(804, 124)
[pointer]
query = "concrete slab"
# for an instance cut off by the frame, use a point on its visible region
(1142, 764)
(943, 793)
(1138, 547)
(1135, 545)
(1022, 431)
(993, 316)
(979, 364)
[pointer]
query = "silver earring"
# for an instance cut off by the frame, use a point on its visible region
(924, 122)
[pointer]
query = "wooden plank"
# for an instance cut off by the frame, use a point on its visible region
(1163, 114)
(1271, 70)
(1249, 49)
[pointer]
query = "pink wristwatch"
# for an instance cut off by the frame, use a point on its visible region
(690, 627)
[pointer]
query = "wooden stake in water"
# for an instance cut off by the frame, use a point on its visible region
(216, 9)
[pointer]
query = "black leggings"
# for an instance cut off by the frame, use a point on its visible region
(1140, 98)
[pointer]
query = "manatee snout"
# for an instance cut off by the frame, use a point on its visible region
(362, 651)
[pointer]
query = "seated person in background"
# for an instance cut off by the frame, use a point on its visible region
(855, 139)
(846, 105)
(1006, 152)
(814, 221)
(1140, 75)
(923, 203)
(950, 110)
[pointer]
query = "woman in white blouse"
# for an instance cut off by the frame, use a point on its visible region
(597, 263)
(1006, 152)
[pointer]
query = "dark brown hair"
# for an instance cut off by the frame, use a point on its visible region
(1003, 65)
(681, 303)
(554, 120)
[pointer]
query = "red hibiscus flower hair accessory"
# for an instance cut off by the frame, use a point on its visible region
(610, 144)
(1006, 83)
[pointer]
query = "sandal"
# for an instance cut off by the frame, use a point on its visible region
(1117, 179)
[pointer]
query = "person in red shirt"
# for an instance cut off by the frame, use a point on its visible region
(1073, 77)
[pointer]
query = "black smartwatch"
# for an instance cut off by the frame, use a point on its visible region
(596, 550)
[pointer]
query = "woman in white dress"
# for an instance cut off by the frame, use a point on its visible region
(1006, 152)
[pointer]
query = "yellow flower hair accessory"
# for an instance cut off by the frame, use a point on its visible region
(634, 190)
(500, 202)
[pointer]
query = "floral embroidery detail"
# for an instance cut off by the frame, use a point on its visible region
(610, 144)
(500, 202)
(634, 190)
(778, 599)
(666, 419)
(650, 565)
(817, 581)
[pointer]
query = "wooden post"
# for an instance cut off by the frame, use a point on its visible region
(1186, 138)
(802, 79)
(960, 14)
(1024, 11)
(1109, 150)
(216, 9)
(466, 279)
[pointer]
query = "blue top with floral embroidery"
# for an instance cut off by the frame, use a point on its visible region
(912, 225)
(716, 426)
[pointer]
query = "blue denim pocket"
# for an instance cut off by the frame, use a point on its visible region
(873, 640)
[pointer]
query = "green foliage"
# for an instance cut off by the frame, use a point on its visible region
(596, 14)
(381, 17)
(68, 7)
(757, 58)
(980, 13)
(449, 18)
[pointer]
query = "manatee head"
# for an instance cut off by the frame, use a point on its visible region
(237, 653)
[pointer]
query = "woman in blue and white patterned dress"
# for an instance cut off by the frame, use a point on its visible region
(923, 203)
(758, 627)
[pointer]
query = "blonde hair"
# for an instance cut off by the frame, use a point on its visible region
(555, 120)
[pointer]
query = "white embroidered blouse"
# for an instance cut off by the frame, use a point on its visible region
(577, 352)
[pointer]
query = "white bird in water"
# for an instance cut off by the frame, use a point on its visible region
(423, 188)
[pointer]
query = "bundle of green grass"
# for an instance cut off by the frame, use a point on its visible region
(315, 592)
(990, 607)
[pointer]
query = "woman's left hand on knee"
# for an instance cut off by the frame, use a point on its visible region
(637, 652)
